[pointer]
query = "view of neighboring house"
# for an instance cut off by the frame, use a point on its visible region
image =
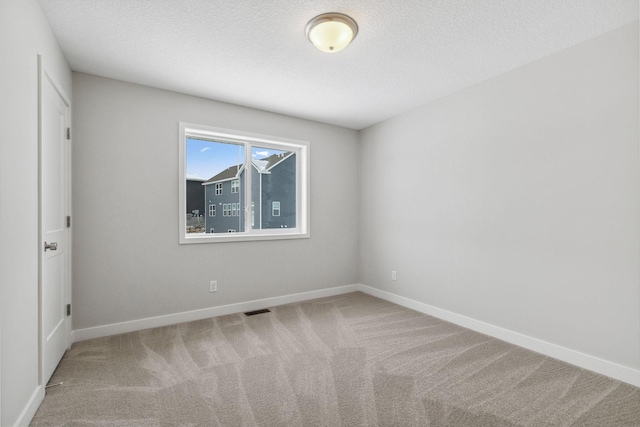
(195, 194)
(273, 195)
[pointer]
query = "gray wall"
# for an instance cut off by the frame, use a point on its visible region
(23, 34)
(516, 202)
(126, 154)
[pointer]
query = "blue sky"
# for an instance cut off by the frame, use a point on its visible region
(207, 158)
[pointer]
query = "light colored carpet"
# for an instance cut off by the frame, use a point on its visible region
(350, 360)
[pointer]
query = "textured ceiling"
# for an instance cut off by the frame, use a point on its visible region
(254, 52)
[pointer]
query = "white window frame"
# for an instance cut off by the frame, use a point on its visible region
(218, 188)
(274, 209)
(212, 210)
(235, 185)
(301, 148)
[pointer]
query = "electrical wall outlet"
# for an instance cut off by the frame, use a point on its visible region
(213, 286)
(393, 275)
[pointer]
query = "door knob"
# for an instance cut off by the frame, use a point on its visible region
(51, 246)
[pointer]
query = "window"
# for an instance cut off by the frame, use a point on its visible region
(264, 172)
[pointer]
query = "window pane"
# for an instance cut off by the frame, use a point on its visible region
(273, 183)
(217, 170)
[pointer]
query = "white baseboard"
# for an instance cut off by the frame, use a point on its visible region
(31, 407)
(582, 360)
(189, 316)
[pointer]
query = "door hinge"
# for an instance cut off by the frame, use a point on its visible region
(68, 309)
(68, 133)
(68, 221)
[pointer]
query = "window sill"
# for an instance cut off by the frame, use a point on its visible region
(240, 237)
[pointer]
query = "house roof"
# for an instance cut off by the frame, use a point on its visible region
(228, 173)
(195, 177)
(262, 165)
(274, 159)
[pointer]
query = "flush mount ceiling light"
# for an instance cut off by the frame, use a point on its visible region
(331, 32)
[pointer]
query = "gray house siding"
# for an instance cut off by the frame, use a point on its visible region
(195, 196)
(255, 197)
(221, 223)
(278, 185)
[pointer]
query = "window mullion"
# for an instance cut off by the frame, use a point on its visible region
(248, 149)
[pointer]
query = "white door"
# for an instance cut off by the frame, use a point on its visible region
(54, 208)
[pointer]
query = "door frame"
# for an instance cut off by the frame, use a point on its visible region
(43, 74)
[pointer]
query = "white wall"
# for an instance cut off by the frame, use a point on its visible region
(23, 34)
(128, 264)
(516, 202)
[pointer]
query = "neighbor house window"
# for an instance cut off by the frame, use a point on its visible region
(264, 172)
